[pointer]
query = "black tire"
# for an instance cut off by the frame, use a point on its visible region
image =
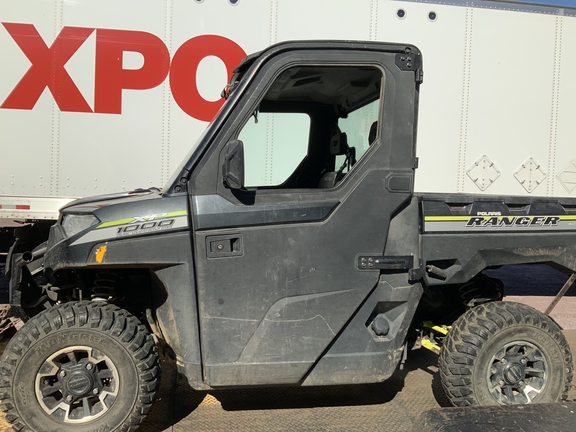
(80, 366)
(505, 353)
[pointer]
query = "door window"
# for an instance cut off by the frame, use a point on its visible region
(311, 127)
(274, 145)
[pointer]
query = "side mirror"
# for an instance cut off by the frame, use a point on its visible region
(233, 166)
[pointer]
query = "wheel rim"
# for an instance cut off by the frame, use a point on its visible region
(517, 373)
(77, 384)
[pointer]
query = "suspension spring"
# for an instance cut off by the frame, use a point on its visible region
(106, 286)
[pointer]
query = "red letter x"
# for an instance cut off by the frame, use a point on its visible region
(47, 68)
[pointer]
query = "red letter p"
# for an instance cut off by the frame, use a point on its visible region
(111, 78)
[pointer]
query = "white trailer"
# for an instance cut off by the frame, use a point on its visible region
(106, 96)
(297, 272)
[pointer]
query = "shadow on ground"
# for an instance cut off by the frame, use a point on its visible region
(177, 401)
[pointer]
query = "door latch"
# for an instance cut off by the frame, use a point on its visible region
(224, 246)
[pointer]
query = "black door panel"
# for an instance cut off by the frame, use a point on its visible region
(286, 298)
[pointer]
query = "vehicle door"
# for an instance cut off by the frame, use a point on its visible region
(278, 272)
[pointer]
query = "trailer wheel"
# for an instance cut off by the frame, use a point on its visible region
(505, 353)
(79, 366)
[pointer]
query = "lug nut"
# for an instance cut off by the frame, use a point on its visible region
(62, 373)
(520, 383)
(69, 398)
(95, 391)
(500, 383)
(503, 361)
(523, 361)
(89, 366)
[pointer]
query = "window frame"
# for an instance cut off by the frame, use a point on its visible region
(204, 178)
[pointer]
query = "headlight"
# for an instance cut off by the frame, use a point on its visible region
(74, 223)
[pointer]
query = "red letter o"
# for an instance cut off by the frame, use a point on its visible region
(185, 65)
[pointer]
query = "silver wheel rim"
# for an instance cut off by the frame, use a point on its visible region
(77, 384)
(517, 373)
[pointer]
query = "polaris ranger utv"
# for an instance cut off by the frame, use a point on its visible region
(326, 272)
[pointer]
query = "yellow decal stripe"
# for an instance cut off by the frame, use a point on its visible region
(175, 214)
(465, 218)
(446, 218)
(116, 222)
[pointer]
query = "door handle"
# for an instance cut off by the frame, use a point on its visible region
(224, 246)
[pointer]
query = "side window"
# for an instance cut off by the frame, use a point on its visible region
(311, 126)
(274, 145)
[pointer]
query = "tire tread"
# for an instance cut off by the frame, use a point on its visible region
(116, 322)
(471, 331)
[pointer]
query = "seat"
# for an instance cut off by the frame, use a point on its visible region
(328, 180)
(338, 146)
(372, 133)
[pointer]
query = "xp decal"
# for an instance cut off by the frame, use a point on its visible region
(137, 225)
(143, 219)
(493, 222)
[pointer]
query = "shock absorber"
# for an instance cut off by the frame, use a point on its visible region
(106, 286)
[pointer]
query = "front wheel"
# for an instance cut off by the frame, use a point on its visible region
(505, 353)
(79, 366)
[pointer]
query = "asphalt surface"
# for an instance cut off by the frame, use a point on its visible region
(394, 405)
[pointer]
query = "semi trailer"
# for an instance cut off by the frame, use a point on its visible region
(334, 215)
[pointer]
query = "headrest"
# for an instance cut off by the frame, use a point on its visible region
(339, 144)
(372, 134)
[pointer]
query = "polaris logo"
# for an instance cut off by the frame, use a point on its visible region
(513, 221)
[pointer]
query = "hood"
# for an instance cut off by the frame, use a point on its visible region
(88, 204)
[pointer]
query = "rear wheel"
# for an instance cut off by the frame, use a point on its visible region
(505, 353)
(79, 365)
